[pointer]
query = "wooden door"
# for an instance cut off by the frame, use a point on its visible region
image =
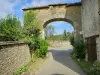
(91, 49)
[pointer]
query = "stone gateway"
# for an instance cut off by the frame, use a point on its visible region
(84, 16)
(59, 12)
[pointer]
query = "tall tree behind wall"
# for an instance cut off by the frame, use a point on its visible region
(49, 31)
(10, 28)
(31, 26)
(65, 35)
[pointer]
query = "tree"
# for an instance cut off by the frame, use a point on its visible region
(32, 29)
(69, 35)
(31, 26)
(10, 27)
(49, 31)
(65, 35)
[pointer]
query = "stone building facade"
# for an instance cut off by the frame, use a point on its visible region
(91, 22)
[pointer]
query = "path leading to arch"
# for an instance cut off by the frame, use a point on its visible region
(60, 63)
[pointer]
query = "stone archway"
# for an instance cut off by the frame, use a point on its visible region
(55, 20)
(85, 17)
(59, 12)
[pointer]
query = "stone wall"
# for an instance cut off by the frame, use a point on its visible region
(98, 39)
(91, 21)
(59, 12)
(59, 44)
(12, 57)
(90, 18)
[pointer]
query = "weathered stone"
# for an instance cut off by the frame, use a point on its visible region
(13, 57)
(91, 21)
(85, 18)
(59, 12)
(90, 18)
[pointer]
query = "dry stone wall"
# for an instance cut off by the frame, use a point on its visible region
(12, 57)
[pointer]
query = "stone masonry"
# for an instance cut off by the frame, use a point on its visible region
(12, 57)
(91, 21)
(59, 12)
(85, 18)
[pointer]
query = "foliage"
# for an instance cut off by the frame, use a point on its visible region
(21, 70)
(29, 19)
(49, 31)
(32, 29)
(65, 35)
(32, 40)
(79, 49)
(69, 35)
(72, 40)
(95, 70)
(42, 48)
(10, 27)
(56, 37)
(88, 67)
(84, 65)
(31, 45)
(60, 37)
(32, 26)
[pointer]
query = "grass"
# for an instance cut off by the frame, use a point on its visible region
(84, 65)
(36, 63)
(21, 70)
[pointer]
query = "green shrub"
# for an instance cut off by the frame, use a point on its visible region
(10, 29)
(79, 49)
(20, 70)
(34, 45)
(31, 45)
(72, 40)
(96, 69)
(42, 48)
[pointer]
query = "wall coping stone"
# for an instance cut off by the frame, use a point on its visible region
(7, 43)
(47, 6)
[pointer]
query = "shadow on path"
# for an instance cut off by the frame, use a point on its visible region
(63, 57)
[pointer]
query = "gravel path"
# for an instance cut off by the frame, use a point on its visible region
(60, 63)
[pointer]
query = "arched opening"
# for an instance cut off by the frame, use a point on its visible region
(63, 30)
(57, 19)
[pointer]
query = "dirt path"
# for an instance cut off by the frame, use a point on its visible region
(60, 63)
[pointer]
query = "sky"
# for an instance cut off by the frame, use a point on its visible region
(15, 7)
(60, 26)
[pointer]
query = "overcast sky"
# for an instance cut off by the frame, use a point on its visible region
(15, 6)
